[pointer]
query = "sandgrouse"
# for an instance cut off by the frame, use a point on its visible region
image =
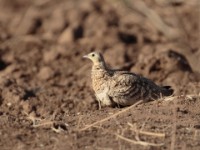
(122, 87)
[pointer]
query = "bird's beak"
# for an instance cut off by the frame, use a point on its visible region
(86, 56)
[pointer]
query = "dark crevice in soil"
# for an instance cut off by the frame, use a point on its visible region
(127, 38)
(3, 65)
(29, 93)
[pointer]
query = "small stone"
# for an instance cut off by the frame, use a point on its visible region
(9, 104)
(56, 23)
(66, 36)
(29, 23)
(45, 73)
(50, 55)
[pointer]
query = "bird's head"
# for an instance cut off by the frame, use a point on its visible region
(96, 58)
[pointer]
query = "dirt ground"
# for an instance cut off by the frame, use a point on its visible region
(46, 98)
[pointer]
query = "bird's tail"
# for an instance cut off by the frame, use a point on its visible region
(167, 90)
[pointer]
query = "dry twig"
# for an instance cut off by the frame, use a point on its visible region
(137, 141)
(174, 127)
(133, 128)
(38, 122)
(112, 116)
(171, 98)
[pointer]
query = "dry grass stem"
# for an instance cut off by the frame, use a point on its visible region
(38, 122)
(58, 130)
(133, 128)
(171, 98)
(174, 127)
(112, 116)
(43, 123)
(138, 142)
(130, 107)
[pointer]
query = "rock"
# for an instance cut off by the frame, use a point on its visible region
(50, 55)
(71, 34)
(29, 23)
(56, 23)
(66, 36)
(45, 73)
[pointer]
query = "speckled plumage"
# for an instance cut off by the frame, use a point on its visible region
(122, 87)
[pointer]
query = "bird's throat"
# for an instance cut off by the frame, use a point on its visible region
(99, 70)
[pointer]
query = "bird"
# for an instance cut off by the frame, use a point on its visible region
(123, 88)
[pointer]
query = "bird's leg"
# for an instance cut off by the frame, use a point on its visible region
(118, 105)
(161, 96)
(99, 102)
(104, 101)
(103, 98)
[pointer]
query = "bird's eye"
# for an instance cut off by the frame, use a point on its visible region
(93, 55)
